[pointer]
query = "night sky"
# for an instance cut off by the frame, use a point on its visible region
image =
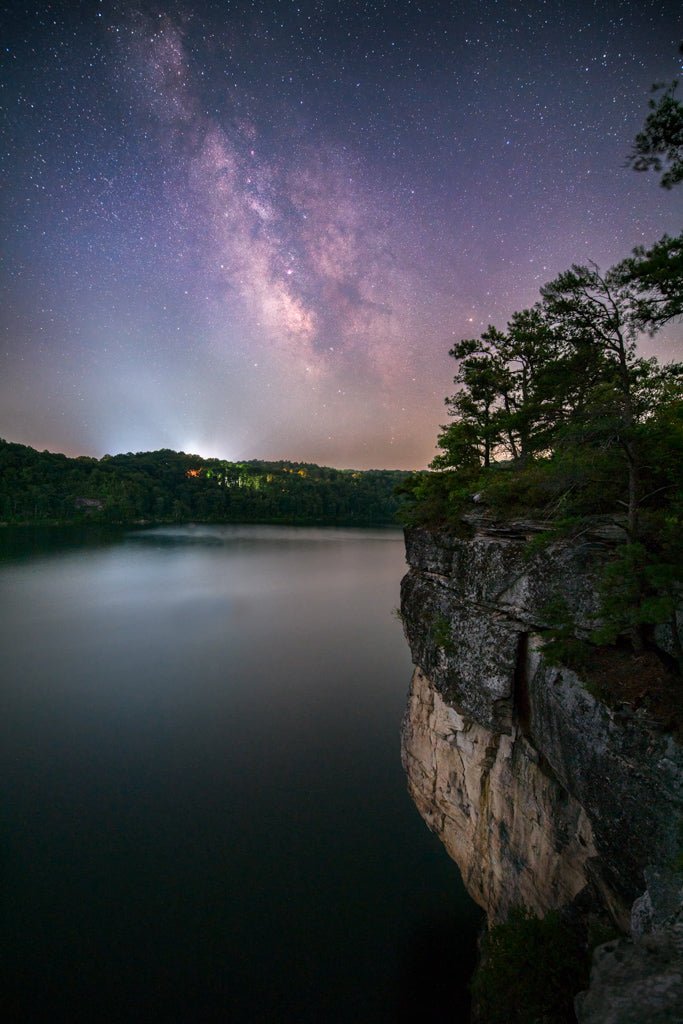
(254, 230)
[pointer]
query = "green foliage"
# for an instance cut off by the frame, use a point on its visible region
(459, 443)
(562, 528)
(441, 634)
(530, 972)
(558, 415)
(560, 418)
(562, 395)
(561, 645)
(659, 146)
(540, 542)
(432, 499)
(655, 276)
(501, 405)
(639, 587)
(167, 486)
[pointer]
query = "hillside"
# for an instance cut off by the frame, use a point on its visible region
(167, 486)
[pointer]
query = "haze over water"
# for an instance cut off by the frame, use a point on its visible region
(204, 809)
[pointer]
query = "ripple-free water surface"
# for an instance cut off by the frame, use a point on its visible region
(204, 812)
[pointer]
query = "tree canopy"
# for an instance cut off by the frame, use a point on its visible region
(565, 376)
(659, 146)
(168, 486)
(560, 417)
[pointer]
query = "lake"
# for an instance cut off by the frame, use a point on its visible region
(204, 813)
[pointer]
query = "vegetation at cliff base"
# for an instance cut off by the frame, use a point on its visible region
(530, 971)
(167, 486)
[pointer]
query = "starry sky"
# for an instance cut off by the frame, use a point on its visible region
(254, 230)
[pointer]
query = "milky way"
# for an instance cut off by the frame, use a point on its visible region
(255, 231)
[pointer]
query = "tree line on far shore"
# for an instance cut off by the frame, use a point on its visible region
(166, 486)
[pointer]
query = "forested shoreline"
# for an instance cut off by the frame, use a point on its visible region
(42, 488)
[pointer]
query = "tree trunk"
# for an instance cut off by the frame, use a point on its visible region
(632, 519)
(676, 640)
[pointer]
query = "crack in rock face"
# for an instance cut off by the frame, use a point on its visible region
(515, 835)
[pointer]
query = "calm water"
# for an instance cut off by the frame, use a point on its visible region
(203, 809)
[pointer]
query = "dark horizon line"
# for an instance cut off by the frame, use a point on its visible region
(210, 458)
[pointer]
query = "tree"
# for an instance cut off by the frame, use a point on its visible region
(460, 447)
(530, 350)
(600, 313)
(516, 388)
(565, 385)
(655, 276)
(501, 407)
(659, 146)
(475, 406)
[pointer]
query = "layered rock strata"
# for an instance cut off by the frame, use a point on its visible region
(539, 791)
(516, 835)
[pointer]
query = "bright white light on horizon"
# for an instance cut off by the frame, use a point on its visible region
(207, 451)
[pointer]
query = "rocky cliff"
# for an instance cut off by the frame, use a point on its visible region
(542, 793)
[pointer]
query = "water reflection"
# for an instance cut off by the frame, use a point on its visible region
(205, 808)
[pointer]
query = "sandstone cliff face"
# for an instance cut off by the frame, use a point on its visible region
(490, 593)
(537, 789)
(517, 837)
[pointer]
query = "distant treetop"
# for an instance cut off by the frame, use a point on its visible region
(659, 146)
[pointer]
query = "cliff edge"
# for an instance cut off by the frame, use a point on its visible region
(545, 795)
